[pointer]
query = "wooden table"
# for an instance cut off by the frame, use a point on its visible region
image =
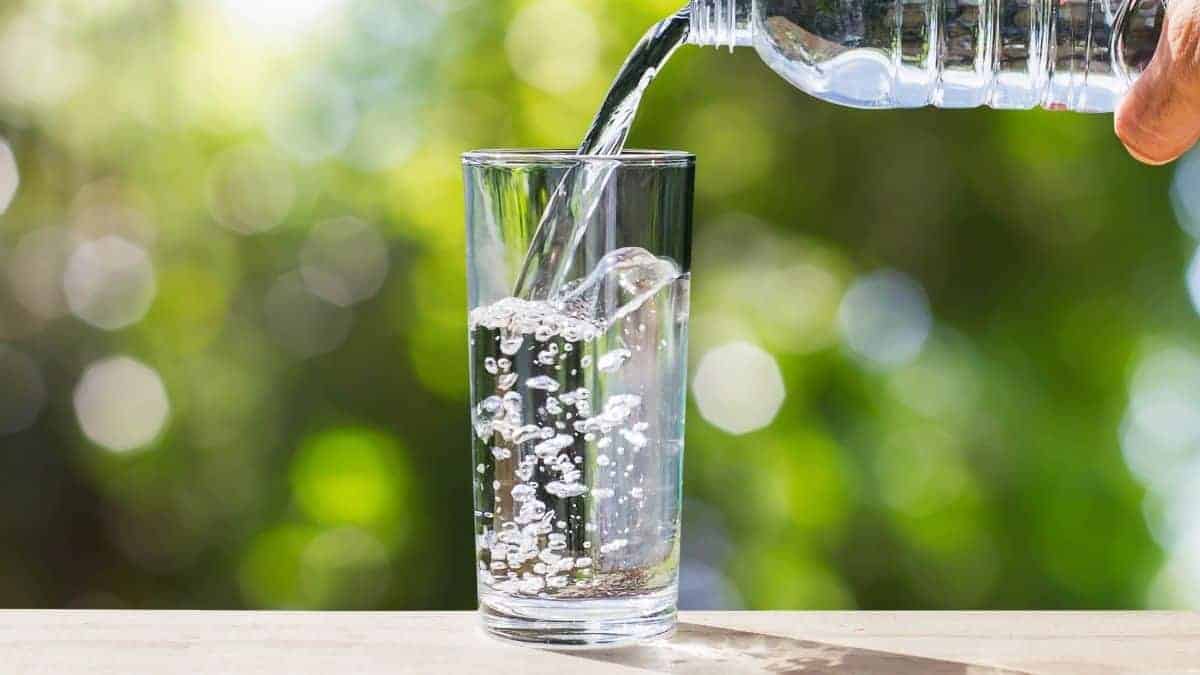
(863, 643)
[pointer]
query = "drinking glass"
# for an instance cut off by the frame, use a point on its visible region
(578, 390)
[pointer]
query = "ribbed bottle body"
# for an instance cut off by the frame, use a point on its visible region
(1058, 54)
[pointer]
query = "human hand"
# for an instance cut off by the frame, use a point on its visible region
(1160, 117)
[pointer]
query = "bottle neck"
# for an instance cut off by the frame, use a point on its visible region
(721, 23)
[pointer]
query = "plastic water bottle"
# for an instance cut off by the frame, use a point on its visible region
(1060, 54)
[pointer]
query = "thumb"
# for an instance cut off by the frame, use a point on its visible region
(1160, 117)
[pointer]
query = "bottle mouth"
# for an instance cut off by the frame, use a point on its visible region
(566, 157)
(720, 23)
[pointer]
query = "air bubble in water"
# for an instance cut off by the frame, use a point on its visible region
(511, 344)
(525, 471)
(543, 382)
(613, 360)
(526, 433)
(548, 449)
(531, 511)
(636, 438)
(565, 490)
(532, 584)
(614, 545)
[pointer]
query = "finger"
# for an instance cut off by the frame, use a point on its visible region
(1160, 117)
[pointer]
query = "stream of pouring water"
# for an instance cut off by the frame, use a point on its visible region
(570, 207)
(611, 126)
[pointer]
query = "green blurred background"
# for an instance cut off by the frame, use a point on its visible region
(941, 359)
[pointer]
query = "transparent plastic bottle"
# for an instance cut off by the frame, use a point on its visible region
(1060, 54)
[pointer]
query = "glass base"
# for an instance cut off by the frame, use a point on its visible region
(578, 623)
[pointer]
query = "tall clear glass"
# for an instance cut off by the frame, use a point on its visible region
(577, 397)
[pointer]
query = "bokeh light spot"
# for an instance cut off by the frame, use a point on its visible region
(1185, 193)
(10, 177)
(1161, 430)
(885, 318)
(1193, 280)
(312, 118)
(345, 568)
(109, 283)
(35, 272)
(738, 387)
(553, 45)
(294, 566)
(121, 404)
(281, 18)
(344, 261)
(107, 207)
(766, 286)
(301, 322)
(250, 190)
(387, 136)
(350, 476)
(37, 66)
(22, 391)
(271, 573)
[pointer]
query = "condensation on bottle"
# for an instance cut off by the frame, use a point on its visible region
(1058, 54)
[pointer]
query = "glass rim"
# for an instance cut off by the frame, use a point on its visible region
(566, 157)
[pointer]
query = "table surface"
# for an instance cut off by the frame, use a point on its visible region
(863, 643)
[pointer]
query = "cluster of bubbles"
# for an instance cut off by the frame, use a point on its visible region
(555, 398)
(528, 554)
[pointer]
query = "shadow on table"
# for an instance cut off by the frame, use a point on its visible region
(699, 649)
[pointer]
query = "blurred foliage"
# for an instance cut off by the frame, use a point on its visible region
(316, 450)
